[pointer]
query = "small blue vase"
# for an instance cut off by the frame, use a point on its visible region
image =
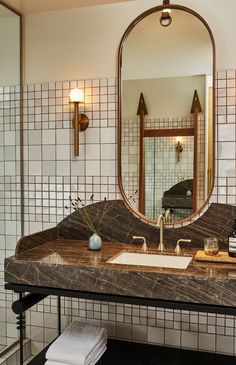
(95, 242)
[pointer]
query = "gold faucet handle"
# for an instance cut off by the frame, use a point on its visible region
(144, 245)
(178, 249)
(167, 216)
(161, 218)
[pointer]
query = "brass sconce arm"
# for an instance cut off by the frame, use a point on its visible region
(80, 122)
(76, 128)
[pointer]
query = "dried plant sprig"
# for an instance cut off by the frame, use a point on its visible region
(93, 223)
(134, 196)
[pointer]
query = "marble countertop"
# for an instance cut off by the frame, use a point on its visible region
(68, 264)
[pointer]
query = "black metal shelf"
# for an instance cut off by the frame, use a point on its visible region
(131, 353)
(121, 352)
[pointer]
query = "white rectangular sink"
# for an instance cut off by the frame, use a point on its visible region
(149, 259)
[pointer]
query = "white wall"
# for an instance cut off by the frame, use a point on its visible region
(164, 97)
(153, 51)
(83, 43)
(9, 50)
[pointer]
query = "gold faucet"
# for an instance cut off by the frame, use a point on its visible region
(160, 224)
(144, 245)
(178, 249)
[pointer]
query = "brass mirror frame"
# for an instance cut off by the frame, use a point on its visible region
(119, 128)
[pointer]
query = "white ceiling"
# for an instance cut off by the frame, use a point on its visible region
(39, 6)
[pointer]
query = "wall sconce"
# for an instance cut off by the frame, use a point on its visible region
(80, 122)
(179, 147)
(166, 18)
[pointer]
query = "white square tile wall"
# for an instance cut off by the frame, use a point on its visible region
(10, 211)
(52, 173)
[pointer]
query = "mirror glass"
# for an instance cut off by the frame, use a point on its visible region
(166, 123)
(10, 195)
(10, 47)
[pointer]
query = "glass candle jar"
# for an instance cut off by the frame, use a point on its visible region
(211, 246)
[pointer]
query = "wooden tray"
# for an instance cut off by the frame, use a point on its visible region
(221, 257)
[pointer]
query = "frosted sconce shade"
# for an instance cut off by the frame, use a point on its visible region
(167, 10)
(179, 139)
(77, 96)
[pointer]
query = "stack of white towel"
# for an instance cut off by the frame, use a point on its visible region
(79, 344)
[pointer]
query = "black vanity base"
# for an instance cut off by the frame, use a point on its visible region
(131, 353)
(120, 352)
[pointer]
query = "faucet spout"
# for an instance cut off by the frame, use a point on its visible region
(144, 245)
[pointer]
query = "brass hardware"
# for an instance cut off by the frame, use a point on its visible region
(83, 122)
(167, 215)
(178, 249)
(166, 18)
(80, 122)
(160, 224)
(179, 149)
(144, 247)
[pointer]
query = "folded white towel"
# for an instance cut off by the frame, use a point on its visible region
(93, 362)
(78, 344)
(99, 348)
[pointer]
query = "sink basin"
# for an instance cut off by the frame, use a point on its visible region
(149, 259)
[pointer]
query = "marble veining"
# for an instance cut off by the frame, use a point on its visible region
(36, 239)
(69, 264)
(59, 258)
(121, 225)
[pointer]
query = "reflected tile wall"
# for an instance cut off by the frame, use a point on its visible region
(163, 171)
(160, 153)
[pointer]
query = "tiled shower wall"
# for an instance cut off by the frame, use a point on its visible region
(52, 174)
(10, 202)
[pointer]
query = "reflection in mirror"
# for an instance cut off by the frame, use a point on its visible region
(10, 229)
(10, 47)
(166, 115)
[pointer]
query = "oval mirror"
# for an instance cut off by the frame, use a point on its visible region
(166, 114)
